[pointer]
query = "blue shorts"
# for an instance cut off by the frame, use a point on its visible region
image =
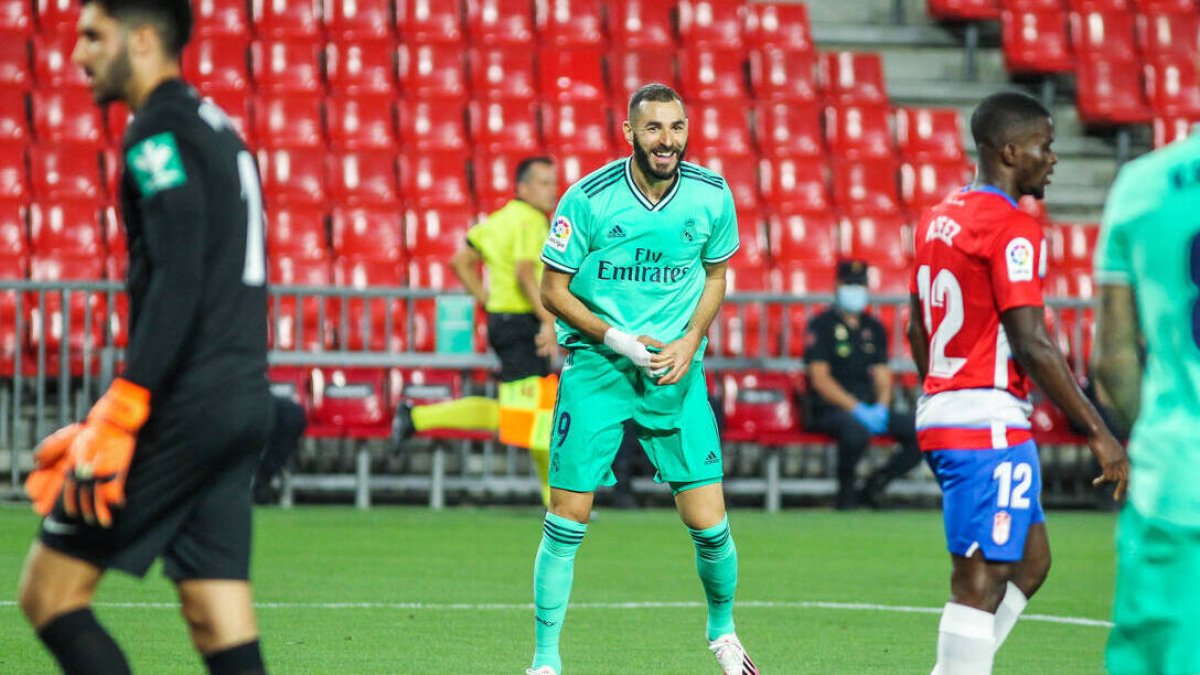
(990, 498)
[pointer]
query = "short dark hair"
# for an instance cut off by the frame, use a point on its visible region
(171, 18)
(656, 92)
(1000, 116)
(526, 165)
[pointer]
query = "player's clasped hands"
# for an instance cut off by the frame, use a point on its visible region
(1114, 462)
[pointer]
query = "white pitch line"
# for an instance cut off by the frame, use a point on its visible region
(465, 606)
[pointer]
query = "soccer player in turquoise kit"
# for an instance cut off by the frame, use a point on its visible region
(635, 273)
(1148, 268)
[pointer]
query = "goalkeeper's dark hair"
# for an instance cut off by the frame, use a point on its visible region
(171, 18)
(1001, 118)
(654, 92)
(526, 166)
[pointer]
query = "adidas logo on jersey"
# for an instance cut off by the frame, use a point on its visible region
(712, 458)
(616, 232)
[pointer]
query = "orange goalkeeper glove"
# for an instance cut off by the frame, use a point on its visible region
(103, 450)
(52, 461)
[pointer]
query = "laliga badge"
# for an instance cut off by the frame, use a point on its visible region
(1001, 527)
(560, 234)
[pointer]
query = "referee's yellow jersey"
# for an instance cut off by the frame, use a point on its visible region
(517, 231)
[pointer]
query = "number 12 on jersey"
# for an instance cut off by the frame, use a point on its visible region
(945, 292)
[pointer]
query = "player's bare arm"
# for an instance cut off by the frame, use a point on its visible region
(678, 355)
(1033, 348)
(918, 338)
(1116, 360)
(465, 264)
(820, 376)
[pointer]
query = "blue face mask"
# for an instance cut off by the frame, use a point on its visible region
(852, 298)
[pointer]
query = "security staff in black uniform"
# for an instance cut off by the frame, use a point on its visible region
(846, 354)
(161, 467)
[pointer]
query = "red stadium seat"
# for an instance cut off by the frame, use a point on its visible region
(69, 229)
(495, 22)
(778, 75)
(964, 10)
(16, 17)
(361, 66)
(52, 67)
(759, 406)
(929, 133)
(227, 18)
(505, 126)
(1035, 41)
(114, 235)
(57, 16)
(286, 18)
(801, 237)
(577, 126)
(431, 273)
(65, 173)
(925, 183)
(866, 187)
(11, 267)
(1103, 34)
(299, 322)
(493, 175)
(711, 23)
(632, 68)
(366, 322)
(360, 122)
(712, 75)
(637, 24)
(297, 231)
(852, 78)
(77, 326)
(14, 240)
(433, 124)
(753, 249)
(14, 183)
(569, 23)
(288, 120)
(15, 73)
(739, 327)
(781, 25)
(572, 74)
(888, 280)
(1172, 6)
(574, 165)
(361, 19)
(859, 132)
(291, 382)
(215, 64)
(235, 106)
(1100, 5)
(794, 185)
(1110, 92)
(286, 65)
(1072, 245)
(350, 402)
(1163, 33)
(429, 179)
(739, 174)
(788, 130)
(66, 116)
(884, 241)
(362, 177)
(429, 21)
(1171, 129)
(116, 119)
(503, 72)
(1173, 85)
(436, 233)
(367, 234)
(433, 70)
(292, 175)
(719, 126)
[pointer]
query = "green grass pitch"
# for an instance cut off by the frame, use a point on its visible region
(408, 590)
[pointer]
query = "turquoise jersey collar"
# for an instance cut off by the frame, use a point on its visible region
(637, 193)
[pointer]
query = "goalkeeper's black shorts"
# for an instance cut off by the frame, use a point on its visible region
(187, 496)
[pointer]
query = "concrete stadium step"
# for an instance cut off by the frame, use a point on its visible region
(867, 11)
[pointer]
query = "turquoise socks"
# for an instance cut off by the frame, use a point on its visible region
(553, 572)
(716, 561)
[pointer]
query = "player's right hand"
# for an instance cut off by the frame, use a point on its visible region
(102, 452)
(1114, 462)
(52, 460)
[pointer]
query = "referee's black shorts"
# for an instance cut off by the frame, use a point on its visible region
(187, 496)
(512, 338)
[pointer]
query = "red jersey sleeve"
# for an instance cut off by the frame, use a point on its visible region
(1018, 263)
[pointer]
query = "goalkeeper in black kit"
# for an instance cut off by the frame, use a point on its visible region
(162, 465)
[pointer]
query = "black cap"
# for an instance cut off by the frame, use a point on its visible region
(852, 272)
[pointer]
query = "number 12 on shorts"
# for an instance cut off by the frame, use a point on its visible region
(1015, 480)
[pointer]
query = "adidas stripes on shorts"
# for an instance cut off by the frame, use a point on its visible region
(597, 392)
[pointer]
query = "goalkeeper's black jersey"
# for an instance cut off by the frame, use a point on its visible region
(193, 215)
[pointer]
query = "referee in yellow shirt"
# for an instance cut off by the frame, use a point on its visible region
(520, 330)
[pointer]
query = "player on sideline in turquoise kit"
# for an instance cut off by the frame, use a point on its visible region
(635, 273)
(1147, 360)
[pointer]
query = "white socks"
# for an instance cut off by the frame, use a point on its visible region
(965, 641)
(1008, 612)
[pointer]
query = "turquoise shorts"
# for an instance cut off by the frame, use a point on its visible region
(598, 391)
